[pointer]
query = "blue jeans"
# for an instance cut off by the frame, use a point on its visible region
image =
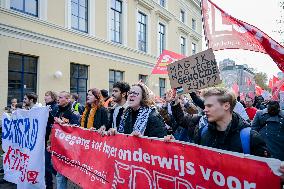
(61, 181)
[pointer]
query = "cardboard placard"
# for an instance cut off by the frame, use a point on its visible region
(195, 72)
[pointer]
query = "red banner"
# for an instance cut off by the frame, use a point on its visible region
(226, 32)
(123, 161)
(167, 57)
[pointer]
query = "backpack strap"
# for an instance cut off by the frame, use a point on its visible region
(203, 130)
(245, 139)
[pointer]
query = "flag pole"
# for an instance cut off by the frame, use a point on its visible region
(203, 24)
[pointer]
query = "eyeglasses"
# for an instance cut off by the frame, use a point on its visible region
(133, 93)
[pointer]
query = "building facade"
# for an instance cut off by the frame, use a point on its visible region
(74, 45)
(241, 75)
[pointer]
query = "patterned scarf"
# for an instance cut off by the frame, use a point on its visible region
(90, 118)
(141, 121)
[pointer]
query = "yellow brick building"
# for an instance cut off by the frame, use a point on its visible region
(75, 45)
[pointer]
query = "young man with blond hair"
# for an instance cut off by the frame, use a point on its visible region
(221, 127)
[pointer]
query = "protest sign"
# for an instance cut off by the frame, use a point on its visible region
(123, 161)
(23, 141)
(167, 57)
(195, 72)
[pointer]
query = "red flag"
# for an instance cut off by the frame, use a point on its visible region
(270, 85)
(249, 82)
(166, 58)
(226, 32)
(277, 87)
(258, 90)
(275, 80)
(235, 88)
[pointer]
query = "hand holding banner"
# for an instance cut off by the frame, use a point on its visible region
(195, 72)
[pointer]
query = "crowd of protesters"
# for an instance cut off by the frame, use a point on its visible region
(213, 117)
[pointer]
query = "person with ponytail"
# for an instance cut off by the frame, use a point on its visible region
(95, 115)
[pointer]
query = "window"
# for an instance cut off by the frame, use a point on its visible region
(193, 48)
(162, 33)
(142, 42)
(162, 85)
(26, 6)
(162, 3)
(79, 15)
(116, 18)
(182, 16)
(114, 76)
(182, 45)
(143, 78)
(79, 80)
(193, 24)
(22, 76)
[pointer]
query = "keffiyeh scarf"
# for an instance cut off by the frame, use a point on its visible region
(141, 121)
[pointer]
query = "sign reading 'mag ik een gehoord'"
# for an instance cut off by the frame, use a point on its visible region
(195, 72)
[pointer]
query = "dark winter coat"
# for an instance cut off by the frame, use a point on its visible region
(67, 113)
(101, 118)
(225, 140)
(271, 129)
(155, 125)
(52, 112)
(118, 117)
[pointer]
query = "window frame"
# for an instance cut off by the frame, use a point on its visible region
(78, 16)
(141, 76)
(79, 78)
(114, 22)
(24, 8)
(193, 24)
(162, 46)
(162, 3)
(193, 50)
(162, 87)
(182, 15)
(22, 73)
(114, 78)
(139, 23)
(183, 45)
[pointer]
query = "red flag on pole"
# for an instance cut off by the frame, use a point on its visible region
(223, 31)
(166, 58)
(275, 80)
(270, 85)
(258, 90)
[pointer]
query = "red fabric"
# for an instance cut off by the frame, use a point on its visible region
(278, 86)
(249, 82)
(226, 32)
(275, 80)
(167, 57)
(124, 162)
(251, 112)
(258, 90)
(270, 85)
(235, 88)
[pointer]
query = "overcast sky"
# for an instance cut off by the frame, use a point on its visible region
(263, 15)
